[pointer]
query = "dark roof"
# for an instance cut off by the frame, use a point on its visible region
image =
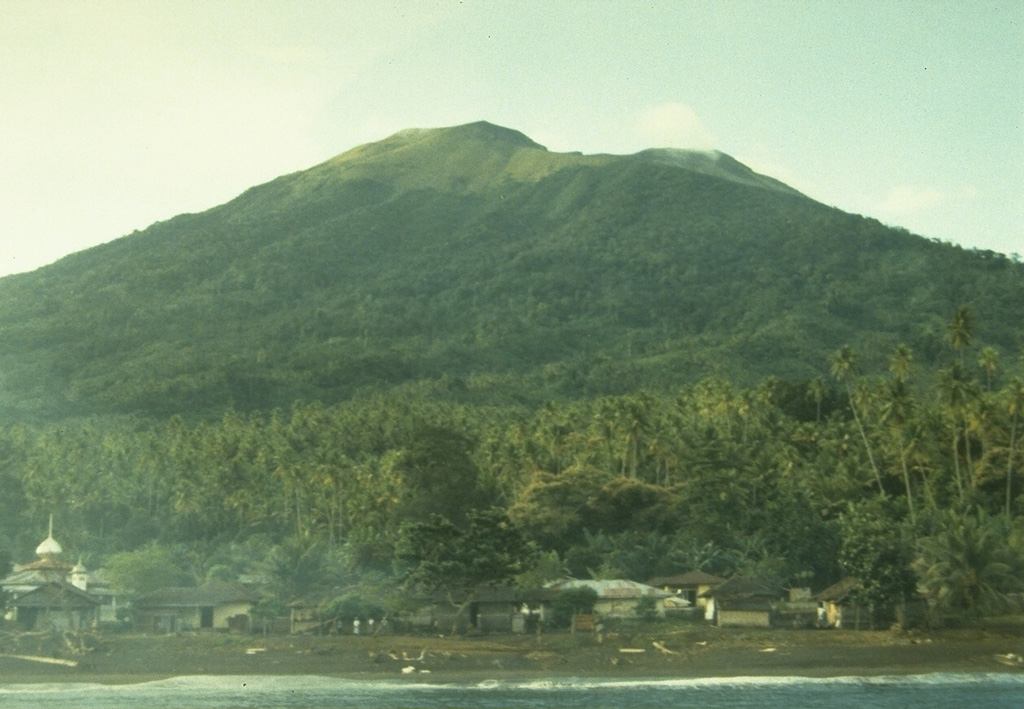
(33, 577)
(47, 563)
(839, 591)
(741, 588)
(56, 594)
(690, 578)
(213, 594)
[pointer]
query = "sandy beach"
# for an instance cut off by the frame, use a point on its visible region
(703, 652)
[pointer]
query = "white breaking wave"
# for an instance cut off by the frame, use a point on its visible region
(938, 691)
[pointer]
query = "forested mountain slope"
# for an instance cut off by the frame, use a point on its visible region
(472, 264)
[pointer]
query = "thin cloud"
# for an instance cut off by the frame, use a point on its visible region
(673, 125)
(909, 200)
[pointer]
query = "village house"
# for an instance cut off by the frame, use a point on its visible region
(216, 606)
(617, 598)
(491, 609)
(837, 608)
(834, 600)
(691, 586)
(741, 602)
(55, 605)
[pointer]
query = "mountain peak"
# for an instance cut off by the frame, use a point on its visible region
(480, 134)
(464, 157)
(482, 131)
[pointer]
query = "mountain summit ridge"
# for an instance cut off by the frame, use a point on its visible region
(492, 152)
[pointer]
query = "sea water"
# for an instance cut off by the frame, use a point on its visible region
(935, 691)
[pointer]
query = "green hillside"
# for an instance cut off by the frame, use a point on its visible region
(472, 264)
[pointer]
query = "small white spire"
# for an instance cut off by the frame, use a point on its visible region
(80, 576)
(49, 548)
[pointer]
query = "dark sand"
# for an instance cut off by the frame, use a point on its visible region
(700, 652)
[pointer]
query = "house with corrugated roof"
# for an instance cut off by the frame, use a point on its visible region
(616, 598)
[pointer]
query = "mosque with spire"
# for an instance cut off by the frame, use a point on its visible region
(51, 592)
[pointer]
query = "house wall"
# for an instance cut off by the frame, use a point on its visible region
(167, 620)
(172, 620)
(422, 618)
(697, 599)
(744, 619)
(58, 619)
(622, 607)
(221, 614)
(495, 617)
(445, 616)
(109, 608)
(304, 620)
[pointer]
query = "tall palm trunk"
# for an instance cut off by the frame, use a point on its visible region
(968, 463)
(864, 438)
(956, 462)
(906, 478)
(1009, 464)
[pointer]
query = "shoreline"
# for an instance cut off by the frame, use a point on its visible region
(660, 654)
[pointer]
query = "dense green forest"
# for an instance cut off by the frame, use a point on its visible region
(638, 365)
(899, 475)
(472, 265)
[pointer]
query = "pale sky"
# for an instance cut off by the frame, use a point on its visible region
(115, 114)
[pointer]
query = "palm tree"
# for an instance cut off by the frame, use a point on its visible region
(920, 451)
(816, 391)
(958, 393)
(844, 366)
(633, 419)
(988, 360)
(900, 360)
(967, 565)
(1014, 406)
(552, 432)
(896, 410)
(961, 330)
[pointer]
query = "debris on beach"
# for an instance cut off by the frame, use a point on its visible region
(1011, 659)
(47, 660)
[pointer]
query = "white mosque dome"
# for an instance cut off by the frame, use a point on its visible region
(49, 547)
